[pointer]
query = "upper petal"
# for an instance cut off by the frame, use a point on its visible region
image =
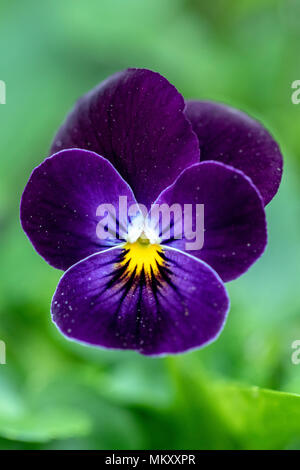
(135, 119)
(60, 206)
(233, 217)
(178, 306)
(232, 137)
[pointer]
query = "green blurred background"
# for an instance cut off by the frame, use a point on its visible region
(238, 393)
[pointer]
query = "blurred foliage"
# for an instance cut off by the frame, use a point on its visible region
(55, 394)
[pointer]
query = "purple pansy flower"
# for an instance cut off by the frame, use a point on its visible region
(134, 136)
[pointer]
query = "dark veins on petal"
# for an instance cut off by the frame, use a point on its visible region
(168, 305)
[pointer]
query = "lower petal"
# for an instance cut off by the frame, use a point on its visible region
(169, 305)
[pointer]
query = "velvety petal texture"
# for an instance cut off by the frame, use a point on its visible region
(60, 206)
(178, 304)
(135, 119)
(232, 137)
(234, 225)
(138, 277)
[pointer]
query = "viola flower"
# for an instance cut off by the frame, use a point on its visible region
(134, 136)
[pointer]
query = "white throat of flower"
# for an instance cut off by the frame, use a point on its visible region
(141, 230)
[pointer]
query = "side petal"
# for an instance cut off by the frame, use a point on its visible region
(183, 306)
(60, 206)
(135, 119)
(232, 137)
(233, 218)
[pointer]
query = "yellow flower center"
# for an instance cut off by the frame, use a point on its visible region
(142, 255)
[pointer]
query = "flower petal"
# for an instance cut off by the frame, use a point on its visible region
(135, 119)
(182, 307)
(234, 218)
(59, 206)
(232, 137)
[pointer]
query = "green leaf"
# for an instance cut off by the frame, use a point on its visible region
(43, 426)
(262, 419)
(225, 415)
(22, 420)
